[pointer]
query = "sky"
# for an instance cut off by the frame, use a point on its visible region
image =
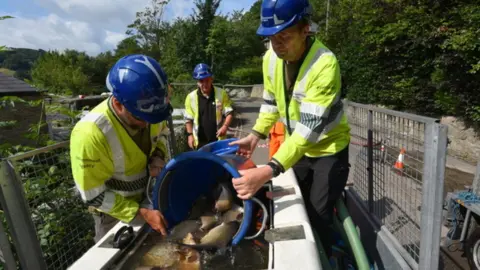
(93, 26)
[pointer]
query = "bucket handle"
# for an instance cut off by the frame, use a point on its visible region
(147, 191)
(264, 221)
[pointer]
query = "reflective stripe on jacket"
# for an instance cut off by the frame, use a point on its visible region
(109, 169)
(223, 108)
(316, 118)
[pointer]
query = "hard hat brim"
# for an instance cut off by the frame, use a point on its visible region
(202, 77)
(270, 31)
(152, 118)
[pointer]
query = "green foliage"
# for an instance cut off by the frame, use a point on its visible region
(7, 124)
(64, 73)
(64, 227)
(421, 56)
(250, 73)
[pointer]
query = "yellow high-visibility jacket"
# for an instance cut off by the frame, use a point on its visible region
(109, 169)
(317, 121)
(223, 108)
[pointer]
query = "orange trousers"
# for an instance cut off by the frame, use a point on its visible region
(276, 135)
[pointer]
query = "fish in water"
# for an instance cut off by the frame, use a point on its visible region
(182, 229)
(163, 254)
(186, 259)
(217, 238)
(234, 214)
(208, 221)
(169, 255)
(221, 235)
(225, 199)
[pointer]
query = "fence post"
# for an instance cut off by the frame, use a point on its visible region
(6, 250)
(432, 199)
(17, 212)
(370, 160)
(476, 180)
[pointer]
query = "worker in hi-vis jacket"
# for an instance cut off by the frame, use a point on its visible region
(208, 110)
(302, 85)
(119, 144)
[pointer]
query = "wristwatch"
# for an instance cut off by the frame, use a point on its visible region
(188, 133)
(275, 168)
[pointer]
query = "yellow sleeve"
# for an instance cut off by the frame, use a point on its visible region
(268, 115)
(163, 133)
(318, 110)
(189, 114)
(227, 104)
(92, 167)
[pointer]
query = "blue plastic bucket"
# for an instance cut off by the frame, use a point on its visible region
(192, 174)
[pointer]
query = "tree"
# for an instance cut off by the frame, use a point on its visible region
(62, 73)
(204, 16)
(148, 28)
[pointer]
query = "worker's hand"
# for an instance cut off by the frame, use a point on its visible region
(251, 181)
(222, 131)
(156, 165)
(191, 142)
(155, 219)
(246, 145)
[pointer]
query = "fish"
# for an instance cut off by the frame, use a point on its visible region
(221, 235)
(162, 254)
(217, 238)
(182, 229)
(225, 199)
(165, 257)
(208, 221)
(234, 214)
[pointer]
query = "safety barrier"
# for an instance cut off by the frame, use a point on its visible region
(402, 190)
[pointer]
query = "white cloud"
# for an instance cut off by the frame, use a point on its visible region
(113, 38)
(98, 12)
(93, 26)
(178, 8)
(52, 32)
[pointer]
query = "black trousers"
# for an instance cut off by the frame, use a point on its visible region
(322, 181)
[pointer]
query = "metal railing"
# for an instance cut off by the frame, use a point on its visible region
(49, 224)
(476, 180)
(407, 201)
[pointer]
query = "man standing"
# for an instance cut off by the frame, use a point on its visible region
(112, 145)
(205, 108)
(302, 89)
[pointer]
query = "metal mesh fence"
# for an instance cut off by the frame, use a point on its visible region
(64, 227)
(393, 196)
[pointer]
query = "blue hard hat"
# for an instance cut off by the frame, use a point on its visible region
(276, 15)
(202, 71)
(139, 83)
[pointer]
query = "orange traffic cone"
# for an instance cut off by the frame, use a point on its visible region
(399, 163)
